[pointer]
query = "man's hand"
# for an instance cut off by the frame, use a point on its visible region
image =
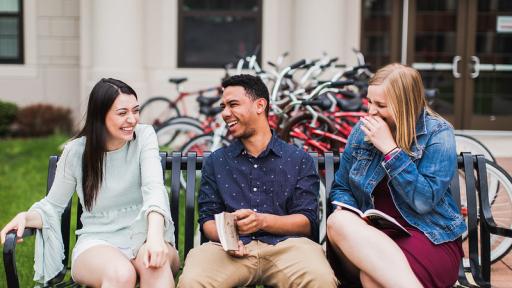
(249, 221)
(240, 252)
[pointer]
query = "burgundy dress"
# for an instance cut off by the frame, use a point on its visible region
(434, 265)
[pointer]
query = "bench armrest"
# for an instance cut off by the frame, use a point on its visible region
(11, 274)
(485, 206)
(497, 230)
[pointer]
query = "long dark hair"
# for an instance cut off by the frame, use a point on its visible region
(102, 96)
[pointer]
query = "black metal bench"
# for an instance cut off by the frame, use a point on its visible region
(479, 219)
(327, 165)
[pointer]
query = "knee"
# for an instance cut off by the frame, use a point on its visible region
(315, 276)
(155, 272)
(120, 276)
(189, 280)
(335, 225)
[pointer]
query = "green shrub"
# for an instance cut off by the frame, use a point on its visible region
(7, 116)
(43, 119)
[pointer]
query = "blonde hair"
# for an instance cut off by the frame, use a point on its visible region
(405, 95)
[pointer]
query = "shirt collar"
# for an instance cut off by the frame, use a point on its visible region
(237, 147)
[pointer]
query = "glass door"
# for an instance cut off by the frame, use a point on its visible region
(464, 49)
(490, 68)
(435, 48)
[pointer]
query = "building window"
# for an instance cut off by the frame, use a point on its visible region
(380, 31)
(11, 32)
(213, 33)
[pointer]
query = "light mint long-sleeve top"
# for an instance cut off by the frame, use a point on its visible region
(132, 187)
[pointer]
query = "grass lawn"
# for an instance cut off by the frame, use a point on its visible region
(23, 172)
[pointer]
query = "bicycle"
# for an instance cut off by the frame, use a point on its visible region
(159, 109)
(467, 143)
(174, 133)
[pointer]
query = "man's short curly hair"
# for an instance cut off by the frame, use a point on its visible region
(253, 86)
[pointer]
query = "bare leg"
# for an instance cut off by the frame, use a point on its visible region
(372, 251)
(368, 281)
(157, 277)
(103, 266)
(347, 272)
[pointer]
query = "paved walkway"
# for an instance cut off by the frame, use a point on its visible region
(501, 276)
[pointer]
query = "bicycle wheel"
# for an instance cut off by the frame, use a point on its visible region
(500, 197)
(201, 144)
(157, 110)
(467, 143)
(319, 138)
(172, 136)
(185, 119)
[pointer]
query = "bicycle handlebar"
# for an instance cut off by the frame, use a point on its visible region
(340, 84)
(297, 64)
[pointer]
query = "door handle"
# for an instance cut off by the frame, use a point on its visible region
(476, 67)
(455, 62)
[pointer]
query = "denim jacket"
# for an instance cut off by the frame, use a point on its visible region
(419, 183)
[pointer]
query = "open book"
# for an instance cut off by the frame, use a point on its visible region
(376, 218)
(226, 228)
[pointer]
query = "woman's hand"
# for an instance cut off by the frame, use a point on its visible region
(155, 253)
(18, 223)
(378, 132)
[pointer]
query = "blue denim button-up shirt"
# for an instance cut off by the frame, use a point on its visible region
(282, 180)
(419, 184)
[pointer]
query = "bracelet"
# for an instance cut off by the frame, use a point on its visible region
(391, 153)
(393, 149)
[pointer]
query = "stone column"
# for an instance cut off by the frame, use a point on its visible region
(112, 44)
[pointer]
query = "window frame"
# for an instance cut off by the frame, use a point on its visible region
(181, 28)
(21, 55)
(395, 32)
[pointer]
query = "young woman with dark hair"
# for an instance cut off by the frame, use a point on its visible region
(114, 166)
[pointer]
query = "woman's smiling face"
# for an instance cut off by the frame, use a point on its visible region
(121, 120)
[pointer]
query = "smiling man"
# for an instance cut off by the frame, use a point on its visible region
(272, 189)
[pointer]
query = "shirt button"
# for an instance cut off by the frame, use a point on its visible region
(255, 165)
(253, 237)
(255, 210)
(254, 189)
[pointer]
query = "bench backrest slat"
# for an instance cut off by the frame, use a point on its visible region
(190, 201)
(175, 191)
(485, 239)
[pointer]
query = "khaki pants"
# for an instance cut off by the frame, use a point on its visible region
(295, 262)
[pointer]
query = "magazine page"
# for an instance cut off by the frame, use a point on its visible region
(226, 229)
(348, 207)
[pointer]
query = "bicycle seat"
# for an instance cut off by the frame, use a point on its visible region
(348, 94)
(349, 105)
(207, 101)
(210, 111)
(178, 80)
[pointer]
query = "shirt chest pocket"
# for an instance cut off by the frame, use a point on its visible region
(362, 159)
(274, 190)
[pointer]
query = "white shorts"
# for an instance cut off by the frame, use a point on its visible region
(81, 246)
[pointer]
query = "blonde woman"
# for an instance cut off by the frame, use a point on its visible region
(399, 159)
